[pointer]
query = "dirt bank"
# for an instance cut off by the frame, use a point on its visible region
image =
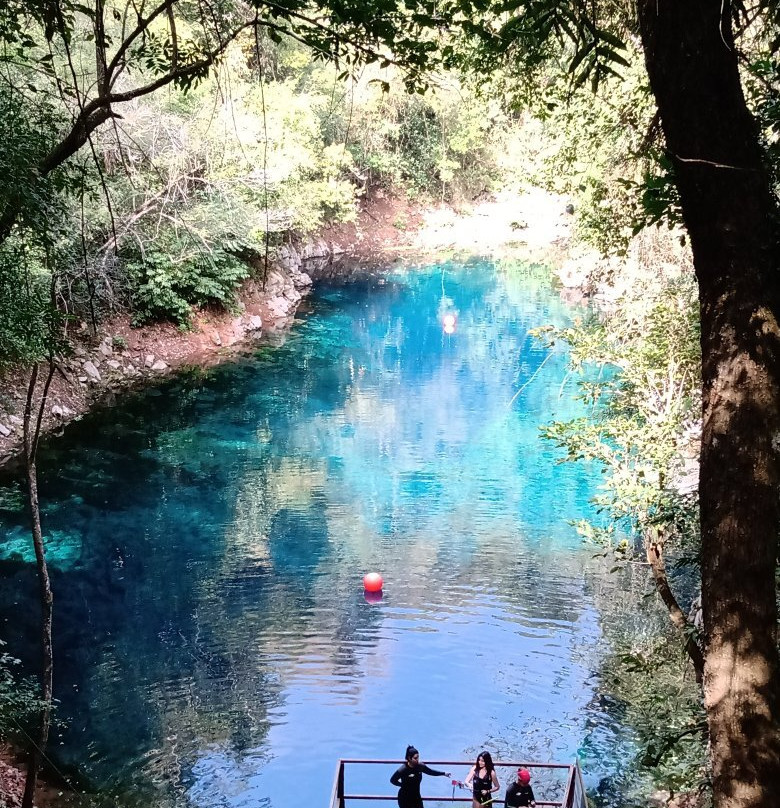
(119, 357)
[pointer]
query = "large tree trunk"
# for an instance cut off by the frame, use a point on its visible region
(731, 219)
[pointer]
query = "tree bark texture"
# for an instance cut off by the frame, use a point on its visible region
(732, 222)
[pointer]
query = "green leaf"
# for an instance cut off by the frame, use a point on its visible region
(609, 37)
(581, 54)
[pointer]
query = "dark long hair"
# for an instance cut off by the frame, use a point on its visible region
(488, 761)
(410, 753)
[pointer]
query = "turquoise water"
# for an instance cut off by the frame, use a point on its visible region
(208, 540)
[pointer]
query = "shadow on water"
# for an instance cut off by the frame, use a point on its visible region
(208, 538)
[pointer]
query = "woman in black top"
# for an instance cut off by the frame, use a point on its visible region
(482, 778)
(408, 777)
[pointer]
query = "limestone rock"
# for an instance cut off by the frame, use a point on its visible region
(159, 366)
(288, 258)
(91, 371)
(275, 283)
(278, 307)
(315, 249)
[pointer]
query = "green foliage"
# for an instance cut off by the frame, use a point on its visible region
(29, 324)
(762, 90)
(595, 151)
(645, 675)
(644, 407)
(29, 319)
(446, 144)
(166, 287)
(642, 383)
(261, 135)
(658, 196)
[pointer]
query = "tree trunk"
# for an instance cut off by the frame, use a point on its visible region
(732, 222)
(31, 434)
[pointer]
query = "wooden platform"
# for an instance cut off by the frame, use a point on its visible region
(558, 785)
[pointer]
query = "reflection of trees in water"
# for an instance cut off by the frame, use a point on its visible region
(645, 682)
(225, 538)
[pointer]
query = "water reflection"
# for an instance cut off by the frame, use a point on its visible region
(208, 542)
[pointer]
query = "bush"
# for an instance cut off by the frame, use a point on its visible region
(166, 289)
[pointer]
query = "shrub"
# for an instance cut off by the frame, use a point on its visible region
(166, 288)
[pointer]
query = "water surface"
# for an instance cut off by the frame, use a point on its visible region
(208, 541)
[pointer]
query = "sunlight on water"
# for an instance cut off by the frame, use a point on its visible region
(208, 541)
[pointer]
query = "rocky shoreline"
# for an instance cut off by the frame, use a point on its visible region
(119, 357)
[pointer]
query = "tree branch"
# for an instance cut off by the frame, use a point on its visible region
(143, 24)
(654, 549)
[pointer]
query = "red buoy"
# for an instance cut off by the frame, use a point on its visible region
(372, 582)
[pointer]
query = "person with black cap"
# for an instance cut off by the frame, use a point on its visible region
(520, 793)
(408, 776)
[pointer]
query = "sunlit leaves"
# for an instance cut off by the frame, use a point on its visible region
(644, 402)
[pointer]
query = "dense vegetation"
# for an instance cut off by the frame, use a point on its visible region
(154, 158)
(193, 188)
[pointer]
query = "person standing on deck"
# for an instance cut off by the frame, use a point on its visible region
(408, 776)
(482, 778)
(520, 793)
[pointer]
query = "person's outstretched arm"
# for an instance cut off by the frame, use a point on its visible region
(434, 772)
(469, 777)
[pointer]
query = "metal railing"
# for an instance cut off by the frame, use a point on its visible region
(571, 790)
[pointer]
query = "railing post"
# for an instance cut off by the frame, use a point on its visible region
(569, 792)
(581, 785)
(340, 786)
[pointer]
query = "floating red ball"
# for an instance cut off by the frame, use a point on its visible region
(372, 582)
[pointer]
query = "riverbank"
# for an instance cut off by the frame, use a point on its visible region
(117, 357)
